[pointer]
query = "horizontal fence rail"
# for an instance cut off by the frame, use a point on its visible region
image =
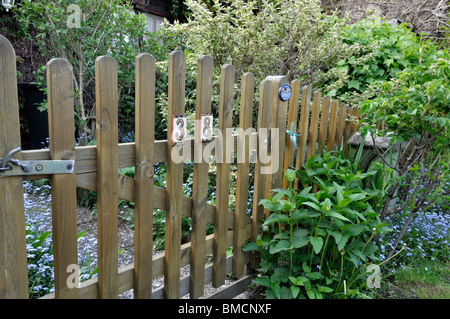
(287, 132)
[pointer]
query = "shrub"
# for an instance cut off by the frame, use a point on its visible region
(263, 37)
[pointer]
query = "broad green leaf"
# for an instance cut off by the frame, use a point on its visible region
(339, 190)
(312, 205)
(249, 247)
(337, 215)
(304, 213)
(276, 290)
(351, 257)
(337, 235)
(280, 193)
(276, 218)
(354, 229)
(285, 293)
(317, 243)
(315, 275)
(342, 242)
(344, 203)
(280, 246)
(357, 196)
(325, 289)
(305, 267)
(295, 290)
(311, 294)
(268, 204)
(326, 205)
(81, 234)
(42, 238)
(262, 281)
(300, 237)
(290, 175)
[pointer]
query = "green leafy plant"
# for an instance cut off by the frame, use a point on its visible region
(318, 240)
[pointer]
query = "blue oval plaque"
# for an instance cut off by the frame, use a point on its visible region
(285, 92)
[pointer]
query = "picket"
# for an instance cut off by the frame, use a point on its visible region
(13, 255)
(223, 174)
(332, 124)
(260, 179)
(177, 66)
(143, 209)
(64, 198)
(200, 180)
(107, 175)
(303, 126)
(314, 124)
(243, 170)
(318, 123)
(292, 127)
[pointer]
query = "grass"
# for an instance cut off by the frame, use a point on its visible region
(428, 279)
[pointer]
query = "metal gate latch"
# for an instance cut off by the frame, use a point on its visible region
(44, 167)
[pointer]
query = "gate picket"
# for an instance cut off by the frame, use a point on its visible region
(177, 67)
(243, 169)
(200, 182)
(260, 179)
(223, 174)
(64, 198)
(107, 175)
(144, 140)
(13, 254)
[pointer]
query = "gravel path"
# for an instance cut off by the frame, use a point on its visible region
(87, 222)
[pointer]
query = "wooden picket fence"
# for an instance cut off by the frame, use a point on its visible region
(319, 121)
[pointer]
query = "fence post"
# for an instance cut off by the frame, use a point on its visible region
(107, 175)
(145, 135)
(177, 78)
(64, 197)
(272, 113)
(278, 114)
(13, 253)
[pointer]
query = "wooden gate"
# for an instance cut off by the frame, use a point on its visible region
(96, 168)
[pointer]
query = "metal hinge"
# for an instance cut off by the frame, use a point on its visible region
(44, 167)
